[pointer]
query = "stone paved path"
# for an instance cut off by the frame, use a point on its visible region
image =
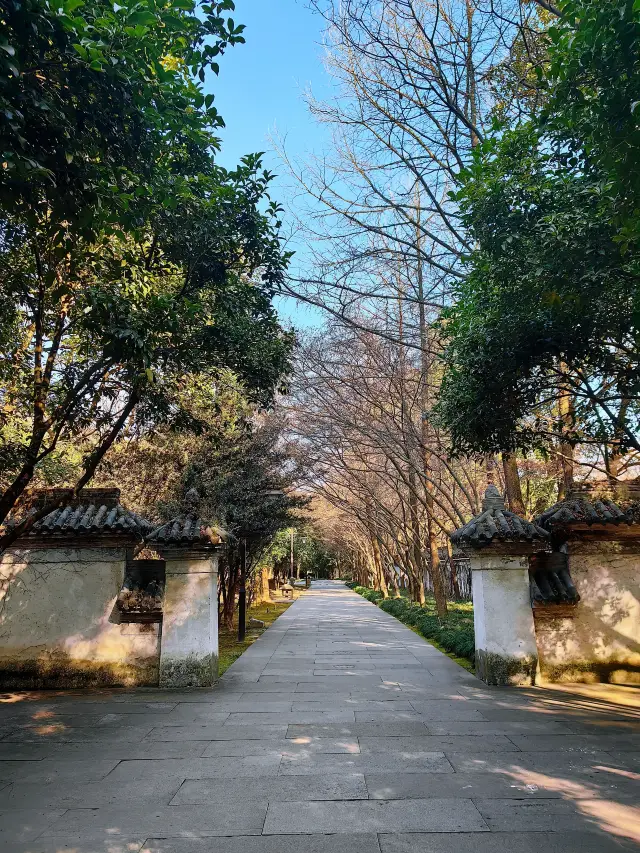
(339, 731)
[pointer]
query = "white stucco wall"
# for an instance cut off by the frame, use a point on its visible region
(58, 624)
(601, 641)
(503, 622)
(189, 653)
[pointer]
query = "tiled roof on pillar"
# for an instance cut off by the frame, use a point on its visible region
(94, 512)
(587, 505)
(188, 529)
(497, 524)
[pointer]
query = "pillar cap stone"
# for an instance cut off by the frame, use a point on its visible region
(496, 525)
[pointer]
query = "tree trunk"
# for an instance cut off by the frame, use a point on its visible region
(439, 592)
(436, 572)
(454, 574)
(382, 582)
(263, 594)
(566, 410)
(512, 484)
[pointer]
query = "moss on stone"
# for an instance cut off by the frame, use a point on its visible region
(591, 672)
(503, 671)
(192, 671)
(62, 672)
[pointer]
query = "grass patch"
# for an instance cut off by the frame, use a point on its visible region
(229, 647)
(452, 635)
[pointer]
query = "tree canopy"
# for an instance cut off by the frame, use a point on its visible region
(548, 310)
(130, 258)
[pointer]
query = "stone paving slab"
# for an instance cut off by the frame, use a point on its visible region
(566, 765)
(456, 743)
(236, 818)
(23, 795)
(391, 786)
(217, 732)
(482, 728)
(361, 843)
(199, 768)
(338, 731)
(59, 732)
(575, 743)
(507, 842)
(281, 788)
(353, 703)
(58, 770)
(24, 825)
(287, 746)
(147, 749)
(433, 815)
(414, 762)
(546, 815)
(83, 843)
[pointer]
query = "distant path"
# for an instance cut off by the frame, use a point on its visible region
(338, 731)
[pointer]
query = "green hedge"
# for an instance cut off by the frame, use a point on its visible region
(454, 633)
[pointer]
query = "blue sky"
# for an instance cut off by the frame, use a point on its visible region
(260, 87)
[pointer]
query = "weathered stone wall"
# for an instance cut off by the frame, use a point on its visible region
(601, 640)
(59, 626)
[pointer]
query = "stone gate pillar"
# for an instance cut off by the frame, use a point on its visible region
(189, 644)
(499, 543)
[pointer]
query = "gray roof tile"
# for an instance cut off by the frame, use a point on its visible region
(497, 524)
(187, 530)
(93, 512)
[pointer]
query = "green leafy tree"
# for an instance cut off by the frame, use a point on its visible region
(543, 337)
(593, 81)
(246, 485)
(129, 258)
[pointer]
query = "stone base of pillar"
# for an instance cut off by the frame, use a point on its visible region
(504, 671)
(189, 671)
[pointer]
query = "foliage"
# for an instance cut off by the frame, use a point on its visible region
(148, 461)
(244, 485)
(99, 106)
(594, 84)
(454, 633)
(549, 307)
(550, 299)
(372, 595)
(130, 260)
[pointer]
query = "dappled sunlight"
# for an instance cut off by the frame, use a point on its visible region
(612, 694)
(14, 698)
(106, 641)
(600, 641)
(314, 747)
(579, 700)
(50, 729)
(590, 800)
(43, 715)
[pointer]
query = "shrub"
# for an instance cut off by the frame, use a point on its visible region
(454, 633)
